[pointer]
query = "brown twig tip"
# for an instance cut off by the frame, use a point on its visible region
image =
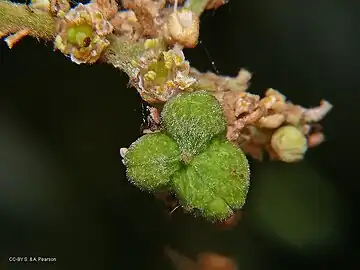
(15, 38)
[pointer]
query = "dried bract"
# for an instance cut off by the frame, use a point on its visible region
(256, 124)
(146, 21)
(126, 24)
(182, 27)
(153, 6)
(109, 8)
(149, 15)
(318, 113)
(221, 84)
(241, 109)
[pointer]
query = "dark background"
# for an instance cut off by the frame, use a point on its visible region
(63, 191)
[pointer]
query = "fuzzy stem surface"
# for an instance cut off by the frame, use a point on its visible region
(17, 17)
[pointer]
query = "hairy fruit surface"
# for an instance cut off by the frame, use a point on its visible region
(192, 158)
(192, 120)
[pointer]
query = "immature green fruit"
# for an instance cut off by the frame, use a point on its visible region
(151, 160)
(192, 120)
(215, 182)
(192, 158)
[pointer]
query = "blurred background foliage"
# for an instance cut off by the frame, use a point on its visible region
(63, 191)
